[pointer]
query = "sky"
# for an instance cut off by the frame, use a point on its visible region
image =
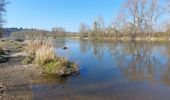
(46, 14)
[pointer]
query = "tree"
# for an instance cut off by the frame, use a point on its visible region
(167, 7)
(120, 24)
(142, 14)
(98, 27)
(58, 32)
(111, 31)
(2, 11)
(84, 30)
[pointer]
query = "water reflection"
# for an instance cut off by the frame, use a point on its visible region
(120, 70)
(137, 60)
(60, 43)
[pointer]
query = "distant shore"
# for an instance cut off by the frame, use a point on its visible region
(154, 39)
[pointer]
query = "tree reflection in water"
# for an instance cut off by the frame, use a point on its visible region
(137, 60)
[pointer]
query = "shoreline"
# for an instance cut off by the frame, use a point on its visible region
(150, 39)
(15, 74)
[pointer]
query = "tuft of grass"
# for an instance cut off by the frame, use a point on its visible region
(2, 52)
(61, 67)
(32, 47)
(43, 54)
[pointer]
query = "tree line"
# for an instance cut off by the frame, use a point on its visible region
(27, 34)
(136, 18)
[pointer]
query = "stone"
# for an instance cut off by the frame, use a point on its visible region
(65, 48)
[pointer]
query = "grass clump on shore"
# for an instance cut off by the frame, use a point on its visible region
(43, 54)
(3, 59)
(1, 49)
(61, 66)
(2, 52)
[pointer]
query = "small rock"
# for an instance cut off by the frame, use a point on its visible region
(65, 48)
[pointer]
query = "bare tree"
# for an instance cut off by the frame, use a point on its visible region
(121, 24)
(58, 32)
(98, 27)
(142, 14)
(2, 10)
(84, 30)
(167, 7)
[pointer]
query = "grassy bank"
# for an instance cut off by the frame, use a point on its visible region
(7, 46)
(42, 54)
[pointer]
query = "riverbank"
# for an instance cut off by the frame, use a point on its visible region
(149, 39)
(137, 39)
(16, 77)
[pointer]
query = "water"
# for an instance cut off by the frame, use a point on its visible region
(111, 71)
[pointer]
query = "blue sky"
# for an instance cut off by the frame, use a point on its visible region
(45, 14)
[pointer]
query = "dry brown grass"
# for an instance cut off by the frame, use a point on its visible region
(33, 46)
(40, 50)
(43, 54)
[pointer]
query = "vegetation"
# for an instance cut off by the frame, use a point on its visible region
(61, 67)
(42, 53)
(58, 32)
(2, 11)
(30, 34)
(7, 46)
(84, 30)
(137, 19)
(2, 52)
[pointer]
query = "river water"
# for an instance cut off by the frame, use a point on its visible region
(111, 71)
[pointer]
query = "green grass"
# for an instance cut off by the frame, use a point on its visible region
(52, 67)
(61, 67)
